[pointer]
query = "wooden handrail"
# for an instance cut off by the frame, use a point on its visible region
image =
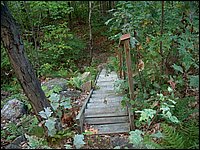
(80, 117)
(124, 42)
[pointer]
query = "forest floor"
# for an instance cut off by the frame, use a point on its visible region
(102, 50)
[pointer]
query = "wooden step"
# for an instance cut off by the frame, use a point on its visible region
(106, 120)
(102, 94)
(100, 104)
(112, 128)
(106, 98)
(105, 110)
(92, 114)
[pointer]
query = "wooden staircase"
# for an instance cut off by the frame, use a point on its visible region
(102, 110)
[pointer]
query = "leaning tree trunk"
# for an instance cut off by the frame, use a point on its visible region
(12, 41)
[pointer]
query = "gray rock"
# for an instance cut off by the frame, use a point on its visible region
(16, 143)
(69, 93)
(56, 81)
(12, 110)
(19, 139)
(12, 146)
(123, 142)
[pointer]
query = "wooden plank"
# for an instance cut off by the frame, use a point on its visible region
(111, 114)
(105, 110)
(106, 101)
(80, 116)
(106, 92)
(100, 97)
(112, 128)
(107, 120)
(100, 104)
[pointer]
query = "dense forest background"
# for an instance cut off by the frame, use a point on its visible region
(64, 39)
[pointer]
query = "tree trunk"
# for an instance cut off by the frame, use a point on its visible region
(161, 33)
(90, 31)
(12, 41)
(70, 16)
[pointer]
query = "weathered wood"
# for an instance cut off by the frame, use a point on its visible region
(105, 110)
(112, 128)
(111, 114)
(100, 104)
(120, 62)
(103, 93)
(92, 121)
(130, 79)
(105, 100)
(129, 68)
(80, 116)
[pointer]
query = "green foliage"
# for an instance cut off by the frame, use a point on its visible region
(136, 138)
(194, 81)
(146, 115)
(120, 86)
(142, 140)
(172, 139)
(45, 69)
(56, 102)
(36, 143)
(178, 68)
(181, 110)
(49, 120)
(78, 141)
(190, 132)
(75, 82)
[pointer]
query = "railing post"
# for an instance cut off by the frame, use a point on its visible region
(125, 41)
(120, 62)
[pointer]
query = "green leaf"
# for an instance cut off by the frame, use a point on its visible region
(174, 119)
(54, 97)
(157, 135)
(177, 68)
(54, 105)
(50, 124)
(109, 20)
(78, 141)
(68, 146)
(194, 81)
(169, 89)
(46, 113)
(136, 137)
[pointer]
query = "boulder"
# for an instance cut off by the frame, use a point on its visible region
(70, 93)
(13, 109)
(56, 81)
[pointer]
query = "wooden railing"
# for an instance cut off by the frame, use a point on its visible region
(80, 117)
(124, 42)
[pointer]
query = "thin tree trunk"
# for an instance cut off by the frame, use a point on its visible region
(161, 33)
(13, 43)
(70, 16)
(90, 31)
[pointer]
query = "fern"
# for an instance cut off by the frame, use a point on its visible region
(172, 139)
(150, 144)
(180, 110)
(190, 132)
